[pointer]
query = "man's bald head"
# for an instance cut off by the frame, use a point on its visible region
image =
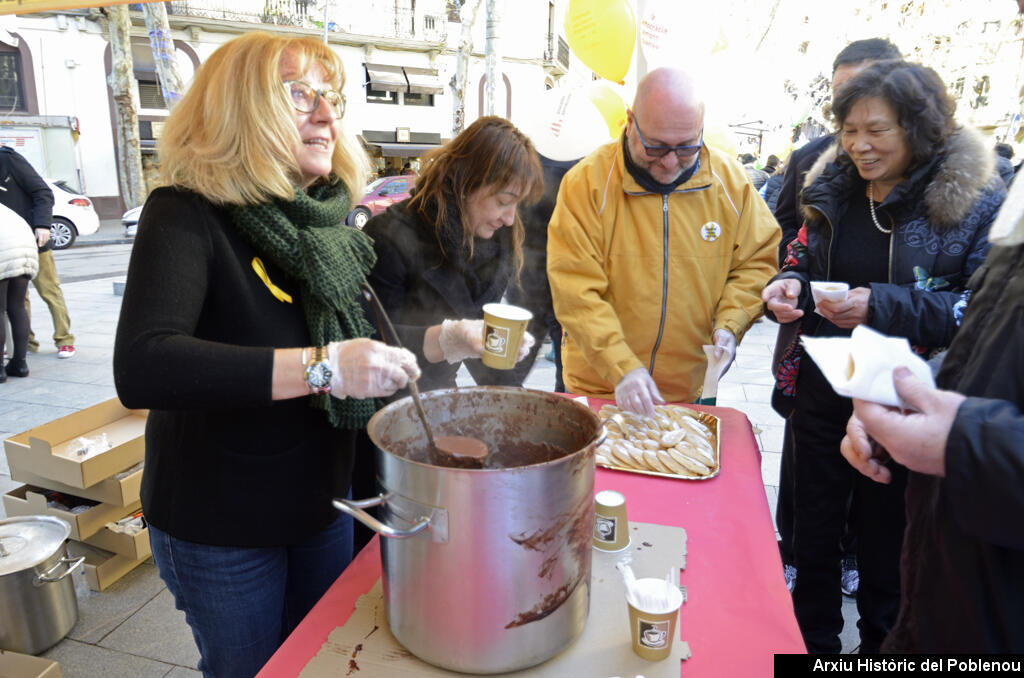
(668, 111)
(669, 88)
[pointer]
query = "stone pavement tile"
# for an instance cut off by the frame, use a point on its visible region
(73, 396)
(850, 637)
(731, 393)
(770, 467)
(157, 631)
(22, 416)
(101, 613)
(750, 375)
(772, 492)
(82, 660)
(772, 437)
(182, 672)
(758, 393)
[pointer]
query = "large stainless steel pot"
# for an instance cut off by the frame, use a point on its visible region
(486, 570)
(37, 598)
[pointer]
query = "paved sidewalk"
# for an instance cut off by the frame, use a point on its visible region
(132, 629)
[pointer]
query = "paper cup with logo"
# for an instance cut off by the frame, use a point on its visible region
(654, 630)
(504, 326)
(611, 529)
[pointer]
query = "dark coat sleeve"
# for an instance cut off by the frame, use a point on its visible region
(33, 185)
(787, 208)
(159, 362)
(931, 317)
(985, 471)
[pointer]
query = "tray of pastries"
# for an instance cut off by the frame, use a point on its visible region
(678, 442)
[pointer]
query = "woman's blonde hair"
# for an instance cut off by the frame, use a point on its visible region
(231, 137)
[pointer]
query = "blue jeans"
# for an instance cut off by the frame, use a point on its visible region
(241, 603)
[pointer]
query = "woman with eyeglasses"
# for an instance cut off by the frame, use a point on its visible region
(899, 210)
(242, 332)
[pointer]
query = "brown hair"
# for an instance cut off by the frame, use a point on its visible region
(490, 154)
(231, 137)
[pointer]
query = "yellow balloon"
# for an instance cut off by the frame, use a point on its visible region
(602, 34)
(719, 136)
(611, 107)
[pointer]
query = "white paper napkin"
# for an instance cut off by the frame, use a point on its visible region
(713, 372)
(861, 366)
(832, 291)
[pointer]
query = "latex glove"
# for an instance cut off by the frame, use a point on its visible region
(636, 392)
(525, 346)
(725, 345)
(42, 236)
(461, 339)
(364, 368)
(781, 298)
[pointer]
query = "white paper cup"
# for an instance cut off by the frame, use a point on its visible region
(829, 290)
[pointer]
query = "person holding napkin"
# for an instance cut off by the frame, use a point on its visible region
(899, 210)
(242, 332)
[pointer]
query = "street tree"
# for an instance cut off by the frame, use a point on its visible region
(466, 13)
(163, 52)
(126, 106)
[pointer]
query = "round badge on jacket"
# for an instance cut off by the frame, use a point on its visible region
(711, 231)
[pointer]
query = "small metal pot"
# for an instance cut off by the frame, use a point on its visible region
(486, 570)
(37, 597)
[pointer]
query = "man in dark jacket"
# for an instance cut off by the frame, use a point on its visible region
(963, 553)
(850, 61)
(25, 192)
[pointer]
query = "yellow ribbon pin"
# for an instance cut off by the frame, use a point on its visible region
(261, 273)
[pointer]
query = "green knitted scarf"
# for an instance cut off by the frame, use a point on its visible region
(307, 239)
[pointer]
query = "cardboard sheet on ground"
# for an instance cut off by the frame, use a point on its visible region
(364, 646)
(861, 365)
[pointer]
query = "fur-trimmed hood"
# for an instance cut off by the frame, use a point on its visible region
(967, 165)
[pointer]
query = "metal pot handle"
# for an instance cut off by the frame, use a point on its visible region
(48, 578)
(355, 509)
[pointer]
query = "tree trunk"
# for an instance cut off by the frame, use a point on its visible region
(458, 81)
(126, 105)
(163, 52)
(493, 56)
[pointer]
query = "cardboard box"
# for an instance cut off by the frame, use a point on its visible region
(17, 665)
(50, 451)
(134, 546)
(29, 501)
(102, 568)
(119, 492)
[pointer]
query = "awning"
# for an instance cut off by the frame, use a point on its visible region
(403, 150)
(423, 80)
(385, 78)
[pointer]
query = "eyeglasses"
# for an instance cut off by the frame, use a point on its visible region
(662, 151)
(306, 99)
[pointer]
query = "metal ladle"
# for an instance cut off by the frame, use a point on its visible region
(458, 451)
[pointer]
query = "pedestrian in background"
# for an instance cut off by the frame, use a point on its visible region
(25, 192)
(19, 262)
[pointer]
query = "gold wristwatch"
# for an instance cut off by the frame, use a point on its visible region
(318, 372)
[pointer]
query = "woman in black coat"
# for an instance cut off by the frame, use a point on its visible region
(445, 252)
(900, 211)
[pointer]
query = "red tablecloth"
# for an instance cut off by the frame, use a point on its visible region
(738, 612)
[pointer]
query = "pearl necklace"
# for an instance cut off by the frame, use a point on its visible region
(871, 206)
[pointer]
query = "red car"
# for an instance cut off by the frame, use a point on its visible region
(381, 193)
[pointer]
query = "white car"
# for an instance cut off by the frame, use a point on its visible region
(73, 215)
(130, 221)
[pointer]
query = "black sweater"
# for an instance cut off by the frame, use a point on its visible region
(225, 464)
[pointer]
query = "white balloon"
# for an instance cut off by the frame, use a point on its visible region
(565, 125)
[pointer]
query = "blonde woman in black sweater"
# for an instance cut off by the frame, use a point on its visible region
(241, 331)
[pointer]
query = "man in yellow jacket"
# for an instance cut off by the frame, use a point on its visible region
(657, 246)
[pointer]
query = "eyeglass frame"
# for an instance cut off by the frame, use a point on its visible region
(319, 94)
(682, 151)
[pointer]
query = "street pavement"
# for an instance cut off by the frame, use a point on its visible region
(132, 629)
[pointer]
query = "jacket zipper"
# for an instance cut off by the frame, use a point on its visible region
(664, 281)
